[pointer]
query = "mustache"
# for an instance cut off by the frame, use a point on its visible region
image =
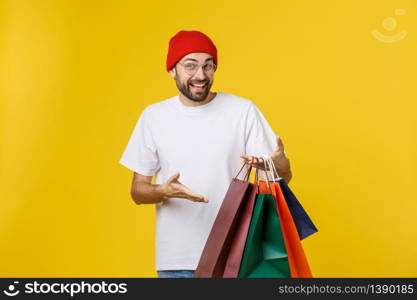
(199, 82)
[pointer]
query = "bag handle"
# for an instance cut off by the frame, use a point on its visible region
(247, 175)
(249, 170)
(271, 166)
(266, 173)
(267, 167)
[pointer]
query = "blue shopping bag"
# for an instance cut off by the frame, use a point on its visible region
(305, 226)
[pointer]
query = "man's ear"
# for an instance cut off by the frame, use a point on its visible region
(173, 72)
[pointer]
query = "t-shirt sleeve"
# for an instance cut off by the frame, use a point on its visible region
(260, 138)
(140, 154)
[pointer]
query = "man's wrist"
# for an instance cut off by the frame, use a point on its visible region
(284, 169)
(287, 177)
(160, 190)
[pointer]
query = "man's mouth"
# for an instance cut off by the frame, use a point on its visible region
(198, 86)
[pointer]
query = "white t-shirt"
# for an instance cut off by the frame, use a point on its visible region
(203, 143)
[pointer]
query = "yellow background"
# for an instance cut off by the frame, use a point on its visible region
(75, 76)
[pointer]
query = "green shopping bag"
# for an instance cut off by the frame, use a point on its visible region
(265, 255)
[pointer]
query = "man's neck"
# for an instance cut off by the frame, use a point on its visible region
(188, 102)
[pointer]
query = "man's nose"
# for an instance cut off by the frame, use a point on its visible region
(199, 74)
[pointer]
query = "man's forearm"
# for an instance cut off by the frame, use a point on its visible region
(287, 176)
(147, 193)
(284, 169)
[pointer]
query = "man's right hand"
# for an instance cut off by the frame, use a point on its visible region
(172, 188)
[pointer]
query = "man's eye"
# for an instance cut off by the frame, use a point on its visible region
(189, 66)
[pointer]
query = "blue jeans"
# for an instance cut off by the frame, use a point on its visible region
(176, 274)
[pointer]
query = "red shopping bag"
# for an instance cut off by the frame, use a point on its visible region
(238, 243)
(215, 253)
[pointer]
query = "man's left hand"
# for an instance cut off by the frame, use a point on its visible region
(281, 162)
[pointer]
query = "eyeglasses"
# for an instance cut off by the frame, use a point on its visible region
(191, 68)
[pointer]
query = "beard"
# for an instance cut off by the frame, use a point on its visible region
(197, 96)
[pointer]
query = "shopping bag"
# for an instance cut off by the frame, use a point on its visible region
(213, 258)
(305, 226)
(237, 247)
(264, 254)
(296, 257)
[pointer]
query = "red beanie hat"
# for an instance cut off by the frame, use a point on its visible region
(186, 42)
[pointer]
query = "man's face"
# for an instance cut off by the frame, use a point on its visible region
(194, 84)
